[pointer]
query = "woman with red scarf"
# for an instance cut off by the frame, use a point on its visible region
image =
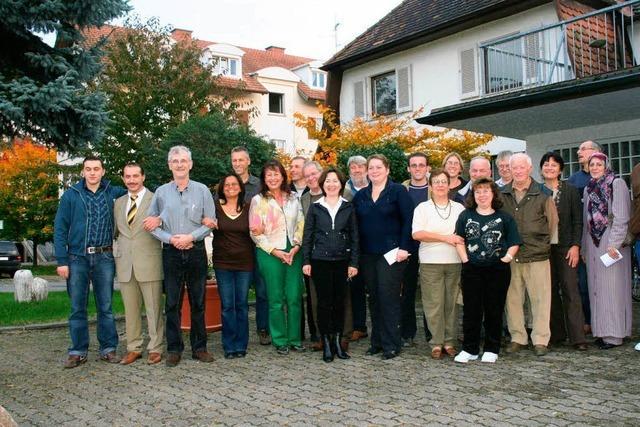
(607, 208)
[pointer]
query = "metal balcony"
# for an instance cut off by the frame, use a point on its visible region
(594, 43)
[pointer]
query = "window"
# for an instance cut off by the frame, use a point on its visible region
(318, 79)
(280, 144)
(276, 104)
(390, 93)
(384, 94)
(223, 65)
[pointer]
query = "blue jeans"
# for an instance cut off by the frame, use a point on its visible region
(262, 304)
(98, 269)
(185, 267)
(233, 287)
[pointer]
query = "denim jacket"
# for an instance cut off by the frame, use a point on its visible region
(71, 223)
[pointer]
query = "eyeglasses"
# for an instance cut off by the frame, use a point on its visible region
(586, 148)
(439, 182)
(418, 166)
(179, 162)
(231, 184)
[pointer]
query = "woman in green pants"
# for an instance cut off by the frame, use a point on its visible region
(277, 223)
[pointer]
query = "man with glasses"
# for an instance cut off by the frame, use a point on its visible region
(580, 179)
(504, 170)
(183, 206)
(418, 188)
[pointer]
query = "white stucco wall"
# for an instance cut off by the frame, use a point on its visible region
(436, 67)
(282, 126)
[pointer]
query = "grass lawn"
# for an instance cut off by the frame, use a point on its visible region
(54, 309)
(41, 270)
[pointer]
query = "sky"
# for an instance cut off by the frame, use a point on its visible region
(303, 27)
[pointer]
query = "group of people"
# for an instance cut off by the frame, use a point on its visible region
(514, 248)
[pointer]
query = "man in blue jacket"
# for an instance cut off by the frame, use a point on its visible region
(83, 239)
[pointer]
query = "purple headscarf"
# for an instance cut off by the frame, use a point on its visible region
(599, 194)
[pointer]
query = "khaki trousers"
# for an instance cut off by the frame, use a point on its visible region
(134, 293)
(440, 288)
(535, 279)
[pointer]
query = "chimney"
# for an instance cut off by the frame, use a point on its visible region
(275, 49)
(181, 35)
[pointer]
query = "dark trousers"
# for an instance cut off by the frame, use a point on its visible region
(359, 303)
(330, 279)
(484, 293)
(307, 306)
(408, 325)
(384, 283)
(566, 310)
(583, 286)
(185, 267)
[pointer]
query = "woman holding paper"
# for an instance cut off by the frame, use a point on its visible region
(606, 212)
(434, 226)
(384, 211)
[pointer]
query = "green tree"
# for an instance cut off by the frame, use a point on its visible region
(210, 139)
(43, 92)
(28, 192)
(153, 84)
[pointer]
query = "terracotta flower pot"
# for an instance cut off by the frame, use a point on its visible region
(212, 309)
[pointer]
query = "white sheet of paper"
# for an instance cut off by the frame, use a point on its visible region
(392, 255)
(607, 260)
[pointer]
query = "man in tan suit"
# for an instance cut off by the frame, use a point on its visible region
(138, 267)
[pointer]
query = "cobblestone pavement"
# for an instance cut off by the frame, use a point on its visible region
(564, 388)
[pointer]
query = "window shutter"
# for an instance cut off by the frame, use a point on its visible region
(403, 93)
(358, 99)
(468, 75)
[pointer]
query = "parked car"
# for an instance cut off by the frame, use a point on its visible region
(10, 258)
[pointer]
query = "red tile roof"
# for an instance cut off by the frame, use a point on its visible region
(252, 61)
(309, 94)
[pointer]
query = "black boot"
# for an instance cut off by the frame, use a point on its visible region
(327, 354)
(339, 352)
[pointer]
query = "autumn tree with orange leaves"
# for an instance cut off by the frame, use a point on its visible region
(335, 138)
(28, 192)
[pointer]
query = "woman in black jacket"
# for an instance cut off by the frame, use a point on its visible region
(330, 256)
(565, 252)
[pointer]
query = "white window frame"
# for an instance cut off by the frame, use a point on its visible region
(321, 76)
(400, 72)
(280, 144)
(282, 109)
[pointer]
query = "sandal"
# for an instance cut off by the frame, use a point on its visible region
(451, 351)
(436, 353)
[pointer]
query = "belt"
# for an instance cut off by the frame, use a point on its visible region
(99, 249)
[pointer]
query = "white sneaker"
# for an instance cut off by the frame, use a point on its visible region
(464, 357)
(489, 357)
(637, 347)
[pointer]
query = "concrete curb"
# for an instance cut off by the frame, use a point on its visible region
(54, 325)
(41, 326)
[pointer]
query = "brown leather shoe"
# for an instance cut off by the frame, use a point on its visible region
(357, 335)
(514, 347)
(130, 357)
(173, 359)
(316, 346)
(73, 361)
(581, 347)
(203, 356)
(344, 344)
(540, 350)
(110, 357)
(450, 351)
(154, 358)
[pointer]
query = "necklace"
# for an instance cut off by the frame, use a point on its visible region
(443, 209)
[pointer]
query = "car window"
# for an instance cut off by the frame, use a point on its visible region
(7, 246)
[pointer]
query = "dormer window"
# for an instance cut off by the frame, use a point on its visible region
(227, 66)
(318, 79)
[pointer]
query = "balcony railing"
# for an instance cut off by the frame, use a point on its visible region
(591, 44)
